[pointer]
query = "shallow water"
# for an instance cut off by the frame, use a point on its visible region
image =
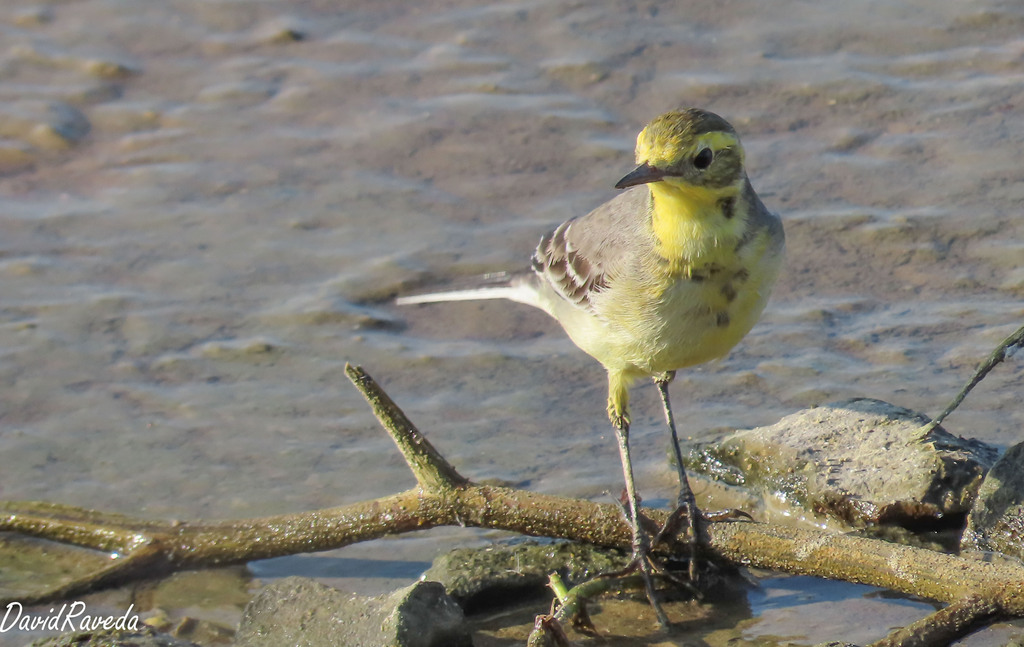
(203, 219)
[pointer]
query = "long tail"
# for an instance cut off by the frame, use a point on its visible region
(514, 289)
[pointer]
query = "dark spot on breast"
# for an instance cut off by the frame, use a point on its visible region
(705, 272)
(722, 319)
(729, 292)
(741, 275)
(728, 207)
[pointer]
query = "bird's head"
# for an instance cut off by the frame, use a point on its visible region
(688, 148)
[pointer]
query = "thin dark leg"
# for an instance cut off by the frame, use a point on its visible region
(641, 543)
(685, 498)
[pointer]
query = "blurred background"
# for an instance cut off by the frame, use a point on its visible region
(206, 207)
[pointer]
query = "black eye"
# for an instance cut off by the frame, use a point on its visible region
(703, 159)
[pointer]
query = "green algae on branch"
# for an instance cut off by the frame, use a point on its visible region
(147, 549)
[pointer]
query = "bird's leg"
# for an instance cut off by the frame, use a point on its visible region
(641, 542)
(685, 499)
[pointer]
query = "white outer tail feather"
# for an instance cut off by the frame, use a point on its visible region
(518, 292)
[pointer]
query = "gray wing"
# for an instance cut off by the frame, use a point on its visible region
(581, 256)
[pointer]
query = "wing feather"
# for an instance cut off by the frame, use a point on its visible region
(582, 256)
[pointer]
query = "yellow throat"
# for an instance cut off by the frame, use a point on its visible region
(692, 226)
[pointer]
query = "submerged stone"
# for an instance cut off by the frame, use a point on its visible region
(479, 577)
(143, 637)
(298, 610)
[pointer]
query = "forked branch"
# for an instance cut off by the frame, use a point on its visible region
(145, 549)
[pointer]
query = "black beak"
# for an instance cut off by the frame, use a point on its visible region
(640, 175)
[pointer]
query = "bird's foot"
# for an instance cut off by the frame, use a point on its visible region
(695, 521)
(650, 567)
(643, 562)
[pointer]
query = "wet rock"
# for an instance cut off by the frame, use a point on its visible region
(143, 637)
(280, 30)
(324, 308)
(49, 54)
(860, 461)
(15, 155)
(299, 610)
(996, 521)
(243, 93)
(204, 632)
(130, 117)
(33, 16)
(577, 74)
(49, 125)
(1014, 282)
(478, 577)
(251, 348)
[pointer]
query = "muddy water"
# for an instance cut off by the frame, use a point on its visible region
(207, 205)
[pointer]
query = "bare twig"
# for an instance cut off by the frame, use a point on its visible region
(431, 469)
(1002, 351)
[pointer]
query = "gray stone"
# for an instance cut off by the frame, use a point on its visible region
(996, 521)
(861, 461)
(301, 611)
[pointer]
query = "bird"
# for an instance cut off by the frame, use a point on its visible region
(670, 273)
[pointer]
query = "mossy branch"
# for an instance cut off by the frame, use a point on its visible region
(444, 497)
(945, 625)
(431, 470)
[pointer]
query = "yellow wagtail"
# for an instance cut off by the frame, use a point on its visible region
(672, 272)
